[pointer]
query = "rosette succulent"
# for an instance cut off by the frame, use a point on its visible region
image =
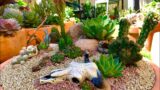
(13, 13)
(9, 24)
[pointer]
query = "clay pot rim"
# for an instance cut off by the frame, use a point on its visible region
(154, 66)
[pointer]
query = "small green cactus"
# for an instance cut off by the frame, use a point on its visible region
(109, 67)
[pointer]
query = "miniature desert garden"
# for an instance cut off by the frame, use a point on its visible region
(69, 45)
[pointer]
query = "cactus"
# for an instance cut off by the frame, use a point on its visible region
(127, 51)
(109, 67)
(123, 28)
(149, 23)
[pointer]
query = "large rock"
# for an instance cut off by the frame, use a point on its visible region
(87, 44)
(75, 31)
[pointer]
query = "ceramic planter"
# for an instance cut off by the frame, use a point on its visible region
(40, 33)
(150, 37)
(133, 33)
(11, 45)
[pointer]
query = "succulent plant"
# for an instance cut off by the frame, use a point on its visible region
(109, 67)
(13, 13)
(57, 58)
(30, 19)
(72, 52)
(9, 25)
(45, 43)
(100, 28)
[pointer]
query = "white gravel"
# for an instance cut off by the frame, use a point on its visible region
(21, 77)
(141, 77)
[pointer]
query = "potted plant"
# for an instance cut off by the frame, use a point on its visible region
(12, 38)
(150, 37)
(47, 17)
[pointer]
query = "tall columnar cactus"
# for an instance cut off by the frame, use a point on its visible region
(149, 23)
(127, 51)
(123, 28)
(122, 48)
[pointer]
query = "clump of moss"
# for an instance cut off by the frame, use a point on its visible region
(86, 86)
(57, 58)
(72, 52)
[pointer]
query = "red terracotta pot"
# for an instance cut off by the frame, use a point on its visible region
(11, 45)
(150, 37)
(155, 67)
(133, 33)
(40, 33)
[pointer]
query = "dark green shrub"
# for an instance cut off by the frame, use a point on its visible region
(65, 42)
(52, 20)
(86, 86)
(54, 35)
(30, 19)
(109, 67)
(72, 52)
(42, 46)
(57, 58)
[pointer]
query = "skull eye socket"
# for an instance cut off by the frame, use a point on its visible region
(75, 80)
(47, 77)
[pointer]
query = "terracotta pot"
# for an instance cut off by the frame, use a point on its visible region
(68, 25)
(150, 37)
(133, 33)
(11, 45)
(155, 67)
(40, 33)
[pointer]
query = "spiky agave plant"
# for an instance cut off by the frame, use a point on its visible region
(109, 67)
(100, 28)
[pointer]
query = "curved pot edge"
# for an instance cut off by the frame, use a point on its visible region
(157, 72)
(155, 67)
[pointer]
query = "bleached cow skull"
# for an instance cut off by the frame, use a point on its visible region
(75, 72)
